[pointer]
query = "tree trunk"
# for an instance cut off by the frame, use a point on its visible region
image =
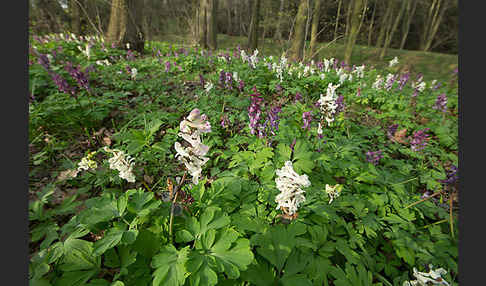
(212, 25)
(75, 16)
(134, 35)
(207, 29)
(125, 24)
(315, 29)
(412, 5)
(365, 6)
(434, 18)
(337, 19)
(353, 30)
(253, 33)
(278, 32)
(371, 25)
(348, 18)
(299, 31)
(228, 11)
(118, 22)
(389, 35)
(385, 22)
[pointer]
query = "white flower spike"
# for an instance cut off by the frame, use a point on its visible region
(289, 183)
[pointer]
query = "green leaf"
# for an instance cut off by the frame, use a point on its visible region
(75, 278)
(169, 266)
(284, 152)
(78, 255)
(275, 245)
(201, 271)
(98, 282)
(295, 279)
(112, 237)
(212, 218)
(219, 251)
(142, 203)
(260, 274)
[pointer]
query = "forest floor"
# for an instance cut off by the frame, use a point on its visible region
(432, 65)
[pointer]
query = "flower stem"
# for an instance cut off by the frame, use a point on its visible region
(423, 200)
(172, 207)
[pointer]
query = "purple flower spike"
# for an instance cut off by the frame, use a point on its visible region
(307, 118)
(441, 103)
(298, 96)
(419, 140)
(374, 157)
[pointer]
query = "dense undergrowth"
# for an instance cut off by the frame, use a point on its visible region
(110, 204)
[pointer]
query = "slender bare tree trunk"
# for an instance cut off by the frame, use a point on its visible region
(337, 18)
(365, 6)
(385, 23)
(228, 11)
(436, 12)
(371, 24)
(253, 33)
(412, 5)
(315, 29)
(299, 31)
(278, 32)
(348, 18)
(353, 30)
(391, 32)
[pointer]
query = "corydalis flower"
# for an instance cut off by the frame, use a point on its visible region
(289, 183)
(451, 176)
(423, 278)
(328, 103)
(441, 103)
(393, 62)
(378, 84)
(193, 155)
(306, 118)
(419, 140)
(122, 163)
(87, 162)
(254, 111)
(340, 104)
(208, 86)
(374, 157)
(80, 76)
(333, 191)
(272, 121)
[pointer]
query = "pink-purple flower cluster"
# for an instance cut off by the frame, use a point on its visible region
(225, 80)
(80, 76)
(441, 103)
(451, 176)
(298, 96)
(271, 122)
(374, 157)
(254, 111)
(306, 118)
(241, 85)
(340, 104)
(419, 139)
(403, 80)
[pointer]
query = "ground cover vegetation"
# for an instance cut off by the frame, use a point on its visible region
(186, 166)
